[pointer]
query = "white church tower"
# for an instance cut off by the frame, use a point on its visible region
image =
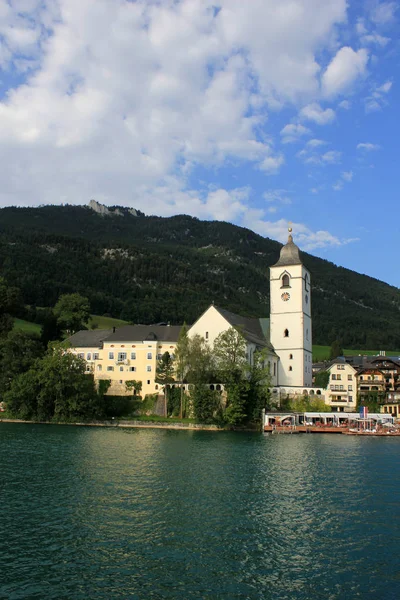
(290, 332)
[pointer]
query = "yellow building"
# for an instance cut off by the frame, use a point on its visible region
(125, 354)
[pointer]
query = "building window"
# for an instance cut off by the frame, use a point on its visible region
(350, 398)
(148, 368)
(121, 368)
(333, 376)
(206, 335)
(306, 282)
(149, 355)
(307, 334)
(159, 356)
(349, 377)
(290, 356)
(274, 369)
(156, 387)
(110, 368)
(285, 281)
(89, 356)
(81, 355)
(111, 355)
(132, 369)
(121, 356)
(148, 382)
(350, 388)
(338, 376)
(99, 367)
(96, 356)
(290, 368)
(133, 355)
(286, 333)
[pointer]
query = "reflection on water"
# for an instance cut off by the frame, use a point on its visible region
(105, 513)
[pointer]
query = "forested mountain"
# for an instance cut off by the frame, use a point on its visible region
(152, 269)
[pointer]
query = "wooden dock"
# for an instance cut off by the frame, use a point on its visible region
(289, 429)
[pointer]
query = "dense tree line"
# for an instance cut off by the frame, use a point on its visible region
(153, 269)
(39, 379)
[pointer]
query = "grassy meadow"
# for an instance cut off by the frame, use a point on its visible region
(322, 352)
(97, 321)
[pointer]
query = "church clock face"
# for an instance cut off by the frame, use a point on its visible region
(285, 296)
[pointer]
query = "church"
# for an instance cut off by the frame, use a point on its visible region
(131, 352)
(286, 334)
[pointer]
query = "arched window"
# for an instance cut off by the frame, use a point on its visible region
(286, 333)
(290, 368)
(306, 282)
(285, 280)
(290, 356)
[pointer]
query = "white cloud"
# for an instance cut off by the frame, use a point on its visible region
(292, 133)
(378, 97)
(367, 146)
(277, 196)
(345, 104)
(346, 177)
(385, 88)
(315, 143)
(376, 39)
(272, 164)
(305, 237)
(331, 157)
(343, 70)
(314, 112)
(117, 96)
(383, 12)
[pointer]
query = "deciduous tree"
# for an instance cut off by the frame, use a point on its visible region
(72, 312)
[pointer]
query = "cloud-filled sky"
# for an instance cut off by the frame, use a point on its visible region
(256, 112)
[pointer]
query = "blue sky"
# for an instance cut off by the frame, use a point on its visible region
(258, 113)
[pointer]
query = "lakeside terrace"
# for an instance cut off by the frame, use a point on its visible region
(320, 422)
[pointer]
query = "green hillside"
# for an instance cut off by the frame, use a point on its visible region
(153, 269)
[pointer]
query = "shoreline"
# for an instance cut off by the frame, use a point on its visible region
(132, 425)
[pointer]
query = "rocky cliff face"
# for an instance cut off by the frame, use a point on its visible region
(102, 210)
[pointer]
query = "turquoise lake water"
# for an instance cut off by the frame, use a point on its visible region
(90, 513)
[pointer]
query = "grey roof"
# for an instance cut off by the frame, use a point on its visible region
(251, 327)
(380, 359)
(136, 333)
(89, 339)
(289, 254)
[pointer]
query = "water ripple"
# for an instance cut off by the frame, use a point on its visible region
(138, 514)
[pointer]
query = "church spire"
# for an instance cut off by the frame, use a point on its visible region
(289, 253)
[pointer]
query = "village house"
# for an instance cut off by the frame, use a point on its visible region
(342, 386)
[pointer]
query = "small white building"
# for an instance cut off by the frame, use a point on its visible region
(342, 386)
